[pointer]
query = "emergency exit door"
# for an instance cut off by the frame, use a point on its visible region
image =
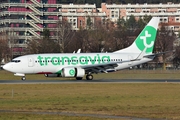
(30, 62)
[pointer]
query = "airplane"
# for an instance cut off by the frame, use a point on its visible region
(78, 64)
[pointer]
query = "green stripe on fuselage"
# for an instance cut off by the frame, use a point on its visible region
(72, 60)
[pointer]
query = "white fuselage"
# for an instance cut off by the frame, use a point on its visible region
(52, 63)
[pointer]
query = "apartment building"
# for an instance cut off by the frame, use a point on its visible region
(25, 20)
(78, 14)
(169, 13)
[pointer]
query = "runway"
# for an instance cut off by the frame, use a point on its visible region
(90, 81)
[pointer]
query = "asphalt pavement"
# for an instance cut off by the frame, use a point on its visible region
(90, 81)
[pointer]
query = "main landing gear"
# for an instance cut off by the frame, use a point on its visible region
(23, 78)
(89, 77)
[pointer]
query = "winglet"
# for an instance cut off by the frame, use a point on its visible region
(79, 51)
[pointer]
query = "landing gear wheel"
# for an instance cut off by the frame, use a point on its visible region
(89, 77)
(78, 78)
(23, 78)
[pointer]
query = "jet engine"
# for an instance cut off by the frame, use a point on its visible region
(73, 72)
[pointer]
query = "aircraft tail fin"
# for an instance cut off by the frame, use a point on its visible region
(145, 39)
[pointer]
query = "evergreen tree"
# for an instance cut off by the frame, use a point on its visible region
(131, 23)
(140, 23)
(89, 23)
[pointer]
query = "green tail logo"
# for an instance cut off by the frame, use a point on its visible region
(146, 39)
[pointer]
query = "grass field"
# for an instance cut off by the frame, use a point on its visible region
(143, 100)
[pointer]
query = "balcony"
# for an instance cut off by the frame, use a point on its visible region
(154, 14)
(84, 14)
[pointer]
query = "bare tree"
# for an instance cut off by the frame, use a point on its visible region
(33, 46)
(90, 40)
(12, 40)
(97, 37)
(121, 36)
(121, 39)
(4, 48)
(43, 45)
(164, 43)
(176, 59)
(79, 41)
(64, 34)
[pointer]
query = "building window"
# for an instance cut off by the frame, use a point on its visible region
(80, 22)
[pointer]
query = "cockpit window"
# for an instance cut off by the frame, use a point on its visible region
(16, 61)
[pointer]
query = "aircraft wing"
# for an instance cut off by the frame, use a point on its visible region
(158, 54)
(104, 67)
(100, 68)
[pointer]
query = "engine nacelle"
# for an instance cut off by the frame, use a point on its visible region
(73, 72)
(52, 75)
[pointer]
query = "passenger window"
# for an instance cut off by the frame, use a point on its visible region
(16, 61)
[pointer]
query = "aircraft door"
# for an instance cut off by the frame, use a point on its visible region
(30, 62)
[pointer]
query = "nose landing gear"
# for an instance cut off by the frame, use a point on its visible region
(22, 76)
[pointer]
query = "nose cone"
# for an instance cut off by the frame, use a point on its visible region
(7, 67)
